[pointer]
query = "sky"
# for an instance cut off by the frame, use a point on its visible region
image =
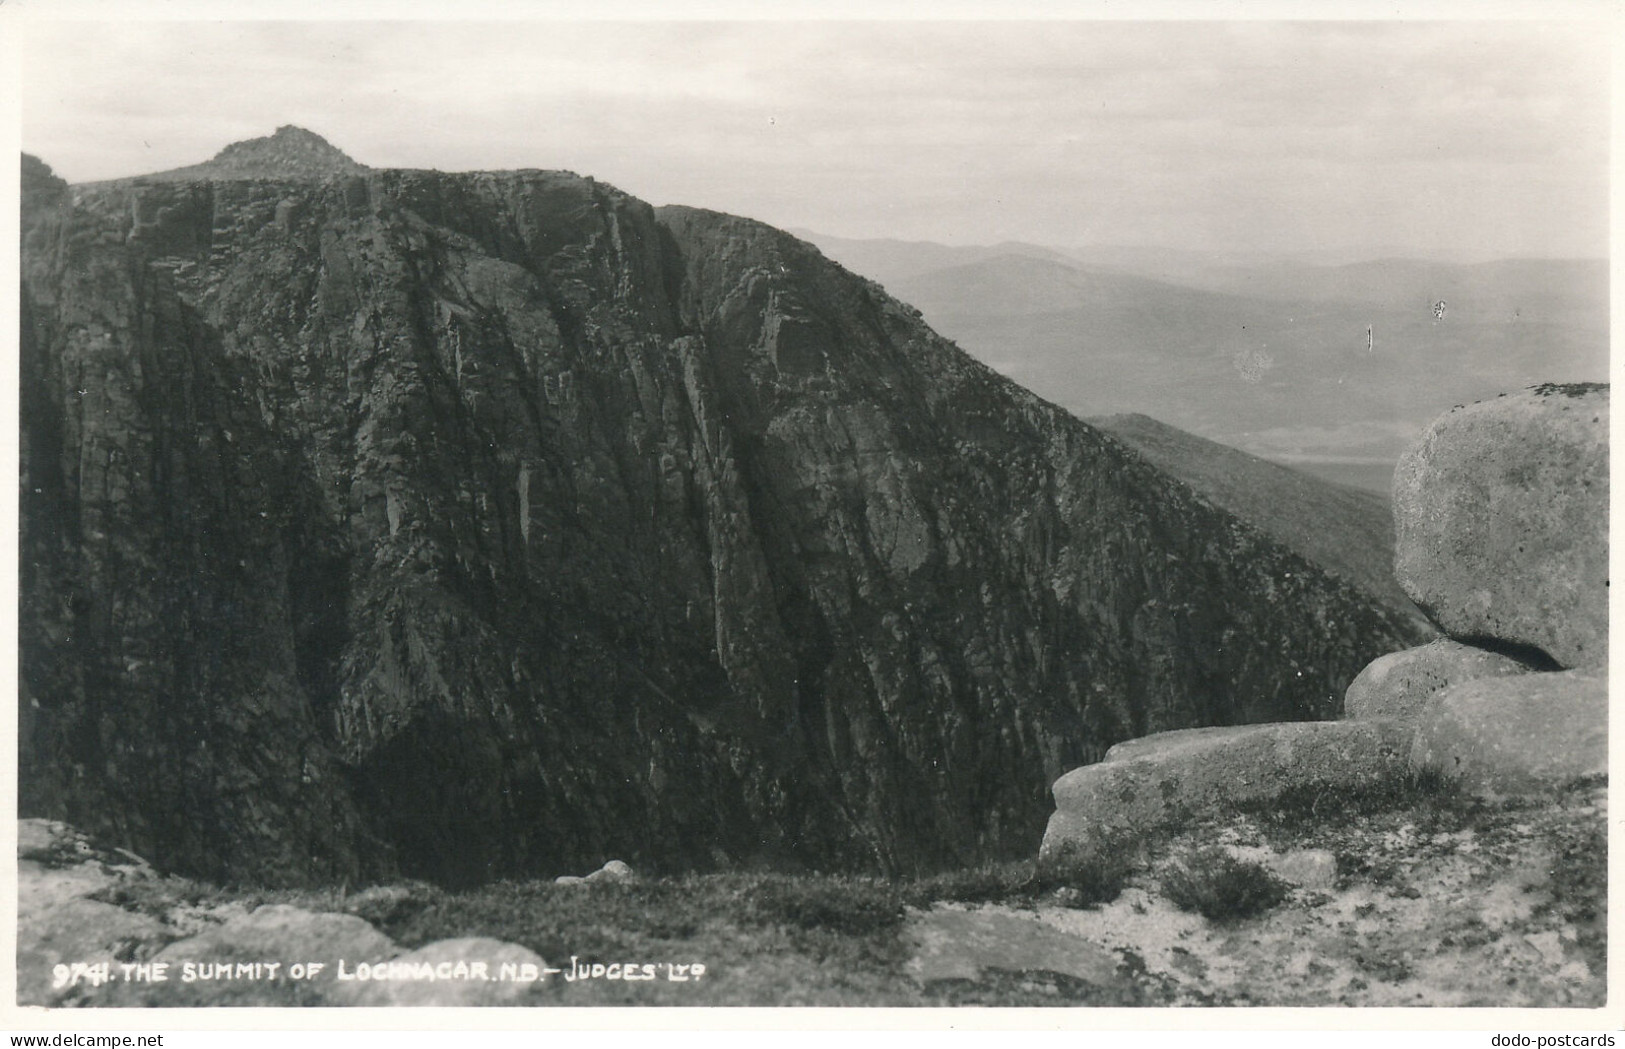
(1450, 139)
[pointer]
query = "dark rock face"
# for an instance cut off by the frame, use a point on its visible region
(467, 525)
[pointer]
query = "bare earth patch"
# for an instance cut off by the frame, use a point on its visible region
(1448, 906)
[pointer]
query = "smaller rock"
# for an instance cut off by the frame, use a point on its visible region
(1549, 945)
(954, 944)
(1400, 684)
(1306, 868)
(1509, 735)
(614, 870)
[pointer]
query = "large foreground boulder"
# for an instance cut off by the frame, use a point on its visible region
(1400, 684)
(60, 918)
(1501, 521)
(1500, 736)
(1155, 782)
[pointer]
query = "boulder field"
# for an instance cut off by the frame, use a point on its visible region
(1501, 525)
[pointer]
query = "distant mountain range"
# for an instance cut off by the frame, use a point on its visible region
(1334, 368)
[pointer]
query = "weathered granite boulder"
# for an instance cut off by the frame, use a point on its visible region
(1500, 736)
(614, 870)
(466, 971)
(282, 931)
(56, 845)
(1400, 684)
(1156, 781)
(1501, 521)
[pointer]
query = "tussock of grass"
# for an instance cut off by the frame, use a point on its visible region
(989, 883)
(1072, 878)
(610, 919)
(1306, 810)
(1088, 878)
(1218, 886)
(856, 906)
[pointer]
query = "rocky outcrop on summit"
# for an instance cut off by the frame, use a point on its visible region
(475, 524)
(1501, 513)
(291, 152)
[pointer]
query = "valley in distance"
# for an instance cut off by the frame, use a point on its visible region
(476, 580)
(1332, 365)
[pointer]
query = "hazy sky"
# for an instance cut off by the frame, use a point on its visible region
(1462, 138)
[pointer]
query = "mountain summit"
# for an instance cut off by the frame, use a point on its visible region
(290, 152)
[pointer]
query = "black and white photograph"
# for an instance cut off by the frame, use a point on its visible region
(555, 512)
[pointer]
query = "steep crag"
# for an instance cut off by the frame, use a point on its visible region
(463, 525)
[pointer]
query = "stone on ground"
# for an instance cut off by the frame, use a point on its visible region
(1504, 736)
(1501, 521)
(953, 944)
(1400, 684)
(1305, 868)
(614, 870)
(1152, 783)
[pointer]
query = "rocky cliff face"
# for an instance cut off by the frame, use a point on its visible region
(475, 524)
